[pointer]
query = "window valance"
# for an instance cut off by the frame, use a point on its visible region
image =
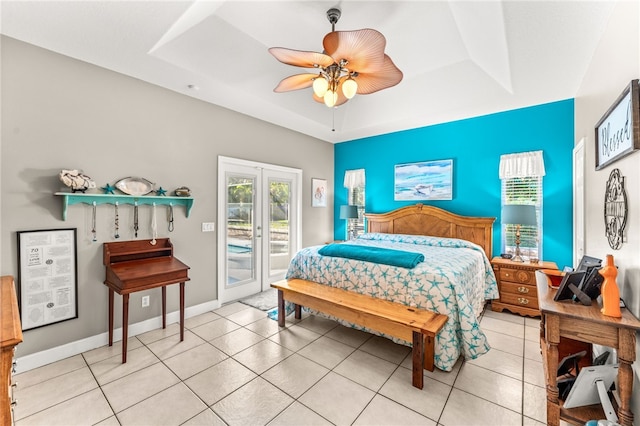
(354, 178)
(522, 164)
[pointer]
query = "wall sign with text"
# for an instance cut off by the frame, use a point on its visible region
(618, 131)
(47, 277)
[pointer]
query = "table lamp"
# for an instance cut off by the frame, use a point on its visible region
(519, 215)
(346, 213)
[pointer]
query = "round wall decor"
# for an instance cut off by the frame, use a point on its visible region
(615, 209)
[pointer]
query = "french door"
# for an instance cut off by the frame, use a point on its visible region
(258, 225)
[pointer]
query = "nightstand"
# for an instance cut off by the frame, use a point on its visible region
(517, 285)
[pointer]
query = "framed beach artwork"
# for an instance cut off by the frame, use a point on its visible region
(426, 180)
(318, 192)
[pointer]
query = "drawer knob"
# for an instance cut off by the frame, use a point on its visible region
(523, 290)
(523, 301)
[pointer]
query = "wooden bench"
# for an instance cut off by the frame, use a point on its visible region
(394, 319)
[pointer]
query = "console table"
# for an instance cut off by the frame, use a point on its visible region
(586, 324)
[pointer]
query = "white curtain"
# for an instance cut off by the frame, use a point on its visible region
(522, 164)
(354, 178)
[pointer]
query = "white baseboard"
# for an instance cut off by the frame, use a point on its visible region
(38, 359)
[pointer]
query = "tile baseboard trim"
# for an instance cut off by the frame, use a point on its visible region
(38, 359)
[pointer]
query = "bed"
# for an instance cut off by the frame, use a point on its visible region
(455, 278)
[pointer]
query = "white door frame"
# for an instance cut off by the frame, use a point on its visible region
(578, 201)
(295, 239)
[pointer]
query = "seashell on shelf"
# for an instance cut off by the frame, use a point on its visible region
(76, 180)
(135, 186)
(183, 191)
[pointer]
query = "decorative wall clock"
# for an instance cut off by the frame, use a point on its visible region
(615, 209)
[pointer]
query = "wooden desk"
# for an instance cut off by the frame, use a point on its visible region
(586, 324)
(10, 337)
(136, 266)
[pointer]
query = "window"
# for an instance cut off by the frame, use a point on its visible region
(525, 190)
(354, 182)
(521, 176)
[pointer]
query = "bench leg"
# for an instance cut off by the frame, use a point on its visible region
(280, 308)
(298, 310)
(429, 353)
(418, 360)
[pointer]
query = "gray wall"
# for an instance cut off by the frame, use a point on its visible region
(615, 63)
(60, 113)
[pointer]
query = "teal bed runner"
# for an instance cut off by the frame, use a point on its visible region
(404, 259)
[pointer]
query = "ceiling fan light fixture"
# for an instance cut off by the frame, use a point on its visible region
(349, 88)
(346, 55)
(320, 86)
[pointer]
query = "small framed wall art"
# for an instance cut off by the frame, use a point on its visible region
(318, 192)
(618, 131)
(427, 180)
(47, 277)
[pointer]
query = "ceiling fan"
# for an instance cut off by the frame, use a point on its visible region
(352, 62)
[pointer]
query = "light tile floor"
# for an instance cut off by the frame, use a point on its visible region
(236, 367)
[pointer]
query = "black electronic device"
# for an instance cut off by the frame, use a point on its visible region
(588, 262)
(583, 284)
(591, 283)
(570, 287)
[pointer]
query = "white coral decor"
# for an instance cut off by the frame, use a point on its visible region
(76, 180)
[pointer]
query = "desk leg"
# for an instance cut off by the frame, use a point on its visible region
(181, 311)
(111, 317)
(125, 325)
(626, 356)
(164, 306)
(552, 332)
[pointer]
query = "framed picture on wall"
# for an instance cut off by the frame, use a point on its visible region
(47, 277)
(618, 131)
(427, 180)
(318, 192)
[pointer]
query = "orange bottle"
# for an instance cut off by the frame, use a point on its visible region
(609, 290)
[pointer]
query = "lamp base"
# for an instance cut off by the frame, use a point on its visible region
(517, 258)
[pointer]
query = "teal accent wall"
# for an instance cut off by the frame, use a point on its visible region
(475, 145)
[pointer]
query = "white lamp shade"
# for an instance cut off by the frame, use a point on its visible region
(519, 214)
(349, 88)
(330, 98)
(320, 86)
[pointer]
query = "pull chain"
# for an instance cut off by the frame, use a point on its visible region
(154, 225)
(135, 219)
(93, 222)
(117, 222)
(170, 217)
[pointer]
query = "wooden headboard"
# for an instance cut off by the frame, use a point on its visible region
(421, 219)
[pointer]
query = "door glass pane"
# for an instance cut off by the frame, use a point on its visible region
(279, 226)
(240, 248)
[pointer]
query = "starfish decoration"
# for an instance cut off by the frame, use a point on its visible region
(108, 189)
(161, 192)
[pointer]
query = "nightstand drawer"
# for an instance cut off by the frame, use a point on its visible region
(518, 289)
(518, 276)
(528, 301)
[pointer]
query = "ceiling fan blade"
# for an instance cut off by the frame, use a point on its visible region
(363, 49)
(295, 82)
(387, 76)
(301, 58)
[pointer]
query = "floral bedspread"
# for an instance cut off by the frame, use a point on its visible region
(455, 279)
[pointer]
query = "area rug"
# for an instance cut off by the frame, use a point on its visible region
(265, 301)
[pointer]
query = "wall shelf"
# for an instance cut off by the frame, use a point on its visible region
(70, 198)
